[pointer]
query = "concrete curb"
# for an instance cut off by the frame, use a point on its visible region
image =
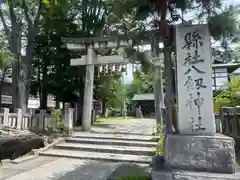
(35, 152)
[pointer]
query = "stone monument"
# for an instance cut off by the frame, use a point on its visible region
(197, 152)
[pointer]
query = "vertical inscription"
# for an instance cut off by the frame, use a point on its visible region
(194, 80)
(193, 40)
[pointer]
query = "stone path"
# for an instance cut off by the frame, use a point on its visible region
(58, 168)
(47, 168)
(135, 126)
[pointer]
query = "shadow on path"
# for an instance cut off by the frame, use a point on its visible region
(92, 170)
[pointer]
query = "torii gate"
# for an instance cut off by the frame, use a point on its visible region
(90, 60)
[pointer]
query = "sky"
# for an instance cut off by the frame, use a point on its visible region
(128, 77)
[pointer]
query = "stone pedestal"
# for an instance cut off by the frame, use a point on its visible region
(200, 157)
(200, 153)
(173, 174)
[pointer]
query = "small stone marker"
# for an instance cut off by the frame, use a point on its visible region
(194, 80)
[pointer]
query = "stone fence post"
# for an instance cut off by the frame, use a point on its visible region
(68, 121)
(19, 119)
(5, 116)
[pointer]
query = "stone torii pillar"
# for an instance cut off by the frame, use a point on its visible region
(90, 61)
(158, 89)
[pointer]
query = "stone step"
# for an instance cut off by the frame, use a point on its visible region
(148, 151)
(112, 157)
(115, 136)
(113, 142)
(97, 131)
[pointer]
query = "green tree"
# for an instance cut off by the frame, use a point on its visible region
(6, 60)
(52, 71)
(109, 90)
(157, 10)
(230, 96)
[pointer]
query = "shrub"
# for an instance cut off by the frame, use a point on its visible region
(56, 113)
(160, 146)
(230, 96)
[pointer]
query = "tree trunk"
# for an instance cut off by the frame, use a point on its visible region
(43, 98)
(43, 93)
(15, 102)
(169, 88)
(57, 103)
(80, 106)
(80, 113)
(104, 108)
(23, 85)
(63, 105)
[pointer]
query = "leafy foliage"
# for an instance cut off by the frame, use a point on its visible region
(160, 146)
(224, 26)
(110, 90)
(52, 71)
(6, 57)
(229, 97)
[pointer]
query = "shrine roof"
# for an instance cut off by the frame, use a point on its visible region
(144, 96)
(237, 71)
(226, 65)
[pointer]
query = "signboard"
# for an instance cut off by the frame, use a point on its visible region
(194, 80)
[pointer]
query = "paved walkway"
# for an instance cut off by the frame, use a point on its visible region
(46, 168)
(49, 168)
(137, 126)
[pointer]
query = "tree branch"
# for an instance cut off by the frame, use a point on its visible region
(6, 29)
(37, 18)
(12, 15)
(26, 10)
(33, 30)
